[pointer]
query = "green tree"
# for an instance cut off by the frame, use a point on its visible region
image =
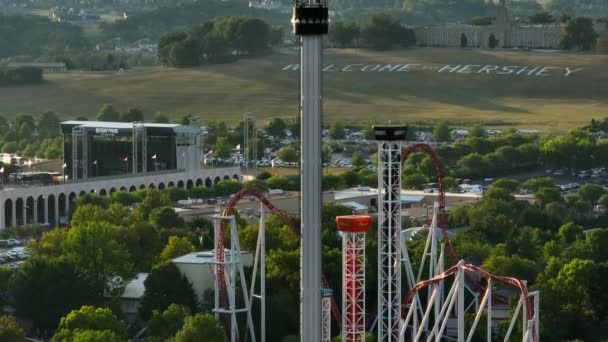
(441, 132)
(579, 33)
(477, 131)
(336, 131)
(534, 184)
(222, 147)
(96, 336)
(25, 131)
(464, 42)
(201, 328)
(164, 325)
(357, 160)
(384, 30)
(326, 153)
(473, 165)
(160, 118)
(99, 252)
(48, 125)
(511, 266)
(176, 246)
(547, 195)
(482, 21)
(131, 115)
(343, 34)
(541, 18)
(41, 286)
(276, 128)
(414, 181)
(492, 41)
(89, 318)
(26, 119)
(277, 182)
(144, 245)
(108, 113)
(276, 36)
(165, 217)
(10, 331)
(50, 245)
(510, 185)
(165, 286)
(9, 147)
(288, 154)
(253, 35)
(591, 192)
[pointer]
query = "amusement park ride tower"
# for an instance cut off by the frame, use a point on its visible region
(310, 21)
(353, 228)
(389, 230)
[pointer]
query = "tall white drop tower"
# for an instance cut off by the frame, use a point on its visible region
(310, 21)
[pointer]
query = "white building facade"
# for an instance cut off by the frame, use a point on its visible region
(51, 204)
(507, 33)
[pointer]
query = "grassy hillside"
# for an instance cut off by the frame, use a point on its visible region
(422, 95)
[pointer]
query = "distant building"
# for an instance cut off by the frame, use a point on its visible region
(508, 33)
(46, 67)
(71, 17)
(198, 268)
(131, 297)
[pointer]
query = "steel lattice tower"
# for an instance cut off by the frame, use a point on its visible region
(389, 227)
(354, 229)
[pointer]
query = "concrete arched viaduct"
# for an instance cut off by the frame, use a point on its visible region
(51, 204)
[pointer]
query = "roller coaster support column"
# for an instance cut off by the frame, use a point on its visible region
(260, 257)
(389, 229)
(234, 265)
(310, 22)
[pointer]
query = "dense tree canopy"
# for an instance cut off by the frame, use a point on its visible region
(94, 323)
(217, 41)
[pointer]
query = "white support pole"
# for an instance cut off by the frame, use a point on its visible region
(14, 214)
(536, 336)
(478, 315)
(514, 319)
(237, 262)
(460, 301)
(46, 209)
(24, 211)
(35, 211)
(216, 232)
(451, 302)
(524, 316)
(427, 313)
(56, 209)
(489, 311)
(263, 273)
(445, 309)
(232, 281)
(414, 318)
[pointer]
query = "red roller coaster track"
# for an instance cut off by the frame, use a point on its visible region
(428, 149)
(219, 254)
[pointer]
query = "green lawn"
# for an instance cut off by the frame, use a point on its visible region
(225, 92)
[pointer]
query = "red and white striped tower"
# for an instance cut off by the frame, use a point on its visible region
(354, 229)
